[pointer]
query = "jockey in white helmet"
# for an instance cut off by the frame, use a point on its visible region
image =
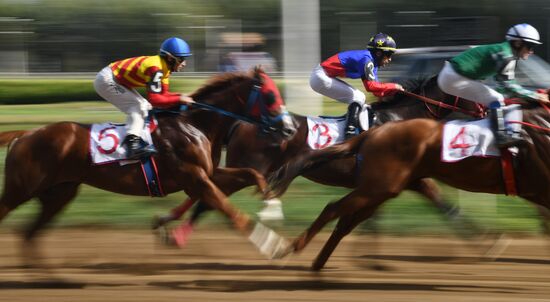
(462, 75)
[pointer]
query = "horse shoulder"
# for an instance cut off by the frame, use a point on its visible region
(184, 144)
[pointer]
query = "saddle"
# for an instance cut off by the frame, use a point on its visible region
(106, 147)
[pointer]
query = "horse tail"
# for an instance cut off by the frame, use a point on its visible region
(9, 136)
(281, 178)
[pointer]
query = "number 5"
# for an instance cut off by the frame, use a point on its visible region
(155, 84)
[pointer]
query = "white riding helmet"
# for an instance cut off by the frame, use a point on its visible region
(523, 32)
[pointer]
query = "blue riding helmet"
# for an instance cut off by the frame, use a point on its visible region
(175, 47)
(382, 42)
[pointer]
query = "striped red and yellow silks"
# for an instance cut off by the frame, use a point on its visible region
(149, 72)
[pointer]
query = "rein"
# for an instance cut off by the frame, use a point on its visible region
(545, 129)
(474, 114)
(441, 104)
(265, 123)
(254, 95)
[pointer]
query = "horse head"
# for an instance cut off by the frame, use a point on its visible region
(269, 107)
(252, 95)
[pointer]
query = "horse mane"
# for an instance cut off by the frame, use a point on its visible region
(222, 81)
(538, 116)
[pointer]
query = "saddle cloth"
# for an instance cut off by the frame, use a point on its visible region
(106, 142)
(324, 131)
(463, 139)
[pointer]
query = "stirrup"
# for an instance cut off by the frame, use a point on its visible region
(141, 152)
(505, 140)
(350, 132)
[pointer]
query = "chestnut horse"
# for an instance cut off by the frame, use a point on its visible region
(266, 154)
(51, 162)
(396, 155)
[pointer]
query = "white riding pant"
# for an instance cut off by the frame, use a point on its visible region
(334, 88)
(127, 100)
(455, 84)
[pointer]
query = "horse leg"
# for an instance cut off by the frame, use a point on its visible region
(52, 201)
(352, 202)
(204, 189)
(229, 180)
(344, 226)
(464, 226)
(234, 179)
(545, 219)
(174, 214)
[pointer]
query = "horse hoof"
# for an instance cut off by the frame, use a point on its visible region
(181, 235)
(162, 235)
(157, 222)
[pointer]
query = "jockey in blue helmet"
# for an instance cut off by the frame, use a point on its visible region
(354, 64)
(175, 51)
(117, 84)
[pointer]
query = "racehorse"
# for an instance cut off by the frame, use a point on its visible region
(265, 154)
(396, 155)
(51, 162)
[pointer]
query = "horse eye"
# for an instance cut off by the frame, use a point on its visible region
(270, 98)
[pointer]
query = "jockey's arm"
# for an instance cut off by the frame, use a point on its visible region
(512, 88)
(381, 89)
(370, 81)
(506, 83)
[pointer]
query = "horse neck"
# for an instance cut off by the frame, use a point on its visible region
(214, 124)
(540, 139)
(401, 107)
(397, 110)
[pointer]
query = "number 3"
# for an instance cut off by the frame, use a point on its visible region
(322, 132)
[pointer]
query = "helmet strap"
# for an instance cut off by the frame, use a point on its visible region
(171, 61)
(516, 46)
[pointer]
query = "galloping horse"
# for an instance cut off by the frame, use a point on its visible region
(266, 154)
(395, 155)
(51, 162)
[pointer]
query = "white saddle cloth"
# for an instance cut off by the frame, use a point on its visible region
(106, 140)
(324, 131)
(463, 139)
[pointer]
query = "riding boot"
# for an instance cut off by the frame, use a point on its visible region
(352, 120)
(505, 136)
(137, 148)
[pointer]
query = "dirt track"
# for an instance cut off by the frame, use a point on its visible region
(118, 265)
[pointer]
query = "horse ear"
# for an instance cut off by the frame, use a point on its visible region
(258, 74)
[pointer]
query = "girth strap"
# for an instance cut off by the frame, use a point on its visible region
(508, 172)
(152, 180)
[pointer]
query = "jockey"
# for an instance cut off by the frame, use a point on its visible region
(117, 84)
(355, 64)
(461, 76)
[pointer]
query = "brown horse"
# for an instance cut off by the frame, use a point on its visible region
(399, 154)
(51, 162)
(266, 154)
